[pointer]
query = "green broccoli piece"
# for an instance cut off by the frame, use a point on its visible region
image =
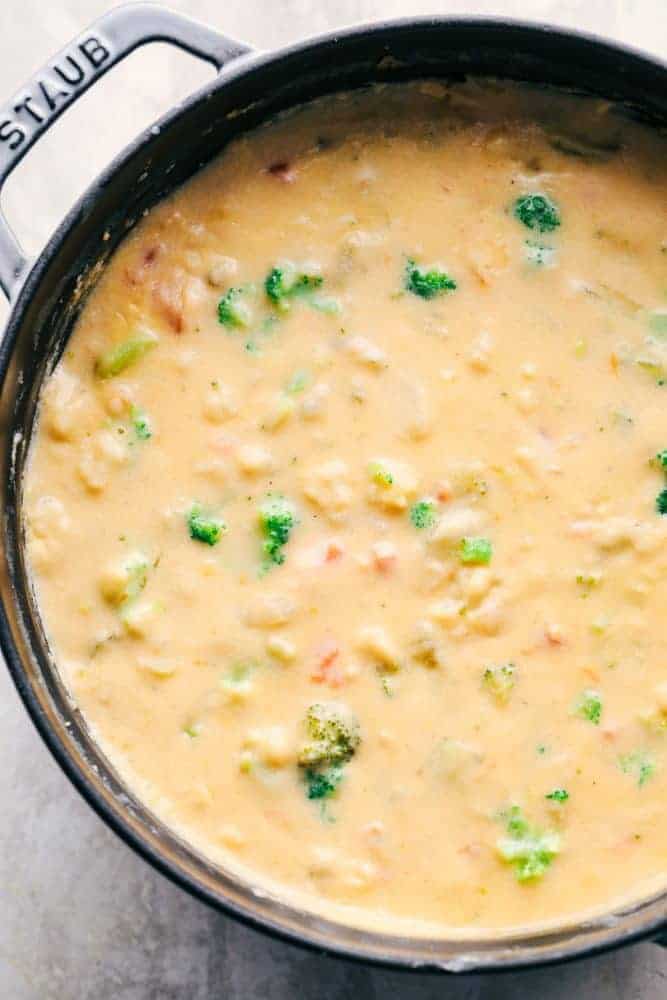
(661, 502)
(233, 311)
(588, 581)
(205, 528)
(427, 284)
(422, 514)
(127, 353)
(638, 763)
(539, 254)
(322, 784)
(658, 323)
(276, 522)
(237, 679)
(333, 736)
(475, 550)
(380, 474)
(660, 460)
(330, 307)
(589, 707)
(500, 680)
(135, 577)
(141, 424)
(530, 851)
(537, 211)
(298, 382)
(558, 795)
(284, 283)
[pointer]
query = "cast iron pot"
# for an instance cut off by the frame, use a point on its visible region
(47, 294)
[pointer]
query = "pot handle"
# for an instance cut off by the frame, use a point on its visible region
(34, 108)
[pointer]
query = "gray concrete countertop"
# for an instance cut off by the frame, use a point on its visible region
(82, 918)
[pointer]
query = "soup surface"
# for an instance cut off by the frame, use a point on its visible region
(344, 508)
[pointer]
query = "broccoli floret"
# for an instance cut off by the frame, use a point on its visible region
(333, 736)
(638, 763)
(658, 323)
(233, 311)
(205, 528)
(558, 795)
(422, 514)
(380, 474)
(125, 354)
(527, 849)
(141, 424)
(276, 522)
(589, 707)
(539, 254)
(661, 502)
(125, 589)
(475, 550)
(283, 283)
(330, 307)
(537, 211)
(660, 460)
(322, 784)
(500, 680)
(427, 284)
(237, 680)
(298, 382)
(588, 581)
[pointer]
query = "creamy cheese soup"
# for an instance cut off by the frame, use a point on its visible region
(345, 508)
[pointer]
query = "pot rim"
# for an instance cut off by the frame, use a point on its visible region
(506, 953)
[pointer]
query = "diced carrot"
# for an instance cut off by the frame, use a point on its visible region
(554, 635)
(384, 556)
(443, 491)
(327, 670)
(333, 551)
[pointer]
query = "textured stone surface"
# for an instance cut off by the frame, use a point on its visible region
(81, 918)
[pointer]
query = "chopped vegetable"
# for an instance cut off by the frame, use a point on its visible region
(638, 763)
(205, 528)
(322, 784)
(558, 795)
(284, 283)
(127, 353)
(276, 522)
(297, 383)
(539, 254)
(237, 680)
(661, 502)
(422, 514)
(121, 585)
(538, 212)
(333, 736)
(233, 311)
(660, 459)
(475, 550)
(589, 707)
(529, 850)
(141, 424)
(427, 284)
(587, 581)
(331, 307)
(380, 474)
(658, 323)
(500, 680)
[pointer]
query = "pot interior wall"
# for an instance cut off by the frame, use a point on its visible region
(55, 291)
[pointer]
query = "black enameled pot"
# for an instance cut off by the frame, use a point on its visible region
(46, 295)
